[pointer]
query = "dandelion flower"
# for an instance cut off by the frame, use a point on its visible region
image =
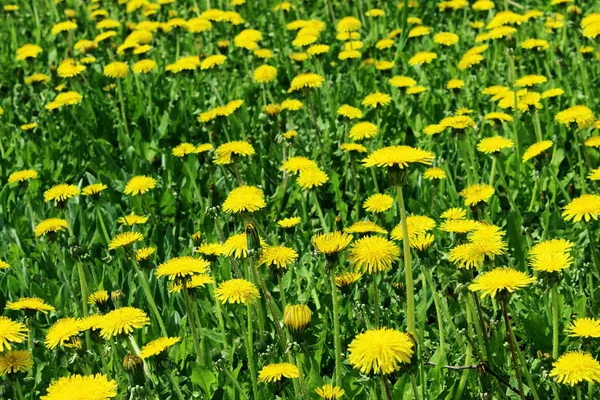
(11, 331)
(415, 224)
(198, 280)
(93, 189)
(363, 130)
(365, 227)
(446, 38)
(500, 280)
(15, 361)
(373, 254)
(158, 346)
(297, 164)
(296, 317)
(380, 351)
(139, 185)
(349, 112)
(585, 328)
(64, 26)
(586, 207)
(423, 57)
(244, 199)
(494, 144)
(276, 372)
(144, 66)
(237, 291)
(61, 331)
(61, 192)
(212, 61)
(459, 225)
(22, 176)
(399, 156)
(278, 257)
(331, 243)
(454, 213)
(30, 304)
(536, 149)
(236, 246)
(434, 174)
(312, 177)
(580, 115)
(182, 267)
(574, 367)
(28, 51)
(288, 223)
(376, 99)
(132, 219)
(347, 278)
(50, 225)
(122, 321)
(265, 74)
(116, 70)
(329, 392)
(378, 203)
(476, 194)
(226, 151)
(125, 239)
(307, 80)
(531, 80)
(349, 147)
(89, 387)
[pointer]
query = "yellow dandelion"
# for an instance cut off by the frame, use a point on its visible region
(237, 291)
(244, 199)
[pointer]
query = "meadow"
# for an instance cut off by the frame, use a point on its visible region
(254, 200)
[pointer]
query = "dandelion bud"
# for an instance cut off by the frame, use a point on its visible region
(296, 318)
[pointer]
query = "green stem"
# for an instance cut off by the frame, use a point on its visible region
(102, 225)
(410, 295)
(537, 126)
(271, 305)
(123, 114)
(84, 304)
(175, 386)
(235, 382)
(554, 321)
(493, 172)
(413, 381)
(336, 329)
(320, 213)
(150, 298)
(249, 354)
(301, 380)
(438, 312)
(386, 386)
(510, 335)
(376, 300)
(191, 320)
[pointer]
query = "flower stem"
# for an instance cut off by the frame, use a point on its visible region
(415, 388)
(554, 321)
(376, 299)
(386, 386)
(175, 385)
(191, 320)
(249, 354)
(493, 172)
(123, 114)
(336, 330)
(150, 298)
(410, 295)
(84, 296)
(320, 213)
(513, 353)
